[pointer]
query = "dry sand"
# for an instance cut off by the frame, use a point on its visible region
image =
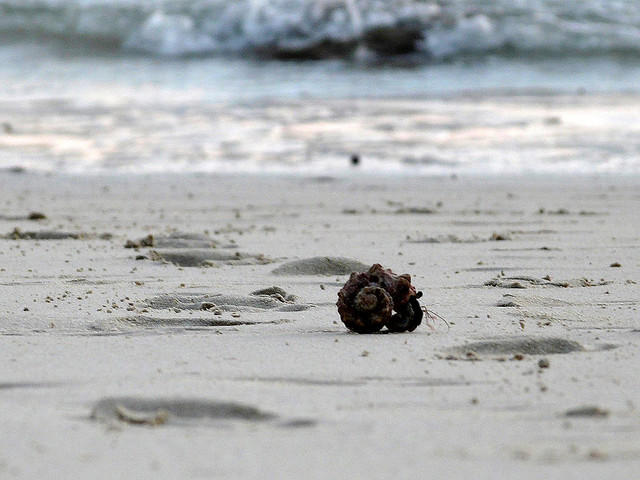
(168, 367)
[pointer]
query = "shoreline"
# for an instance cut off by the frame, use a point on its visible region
(480, 135)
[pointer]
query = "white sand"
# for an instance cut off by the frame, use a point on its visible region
(402, 410)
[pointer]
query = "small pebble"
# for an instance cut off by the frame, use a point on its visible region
(587, 411)
(37, 216)
(471, 355)
(597, 455)
(543, 363)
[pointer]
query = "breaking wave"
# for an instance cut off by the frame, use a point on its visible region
(433, 30)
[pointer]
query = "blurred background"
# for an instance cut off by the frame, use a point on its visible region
(414, 87)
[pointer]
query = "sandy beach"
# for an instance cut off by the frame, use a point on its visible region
(185, 188)
(161, 361)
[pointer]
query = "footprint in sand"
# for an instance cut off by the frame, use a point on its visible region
(181, 411)
(142, 411)
(224, 303)
(528, 282)
(187, 257)
(18, 234)
(194, 250)
(518, 347)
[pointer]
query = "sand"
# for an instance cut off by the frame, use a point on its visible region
(499, 132)
(172, 361)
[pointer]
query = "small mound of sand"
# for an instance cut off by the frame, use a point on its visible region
(142, 321)
(321, 266)
(415, 211)
(173, 240)
(33, 216)
(275, 292)
(446, 239)
(525, 346)
(142, 411)
(18, 234)
(527, 282)
(188, 257)
(183, 240)
(294, 307)
(509, 300)
(223, 303)
(269, 292)
(12, 385)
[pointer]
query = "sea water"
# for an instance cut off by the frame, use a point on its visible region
(85, 84)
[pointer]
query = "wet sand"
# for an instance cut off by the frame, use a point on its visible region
(494, 132)
(170, 359)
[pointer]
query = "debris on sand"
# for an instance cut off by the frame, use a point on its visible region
(445, 239)
(499, 237)
(18, 234)
(587, 411)
(158, 417)
(32, 216)
(275, 292)
(415, 211)
(173, 240)
(367, 300)
(36, 216)
(147, 241)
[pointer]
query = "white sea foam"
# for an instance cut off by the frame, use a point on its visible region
(318, 28)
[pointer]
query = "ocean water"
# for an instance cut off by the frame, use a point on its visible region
(296, 86)
(318, 28)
